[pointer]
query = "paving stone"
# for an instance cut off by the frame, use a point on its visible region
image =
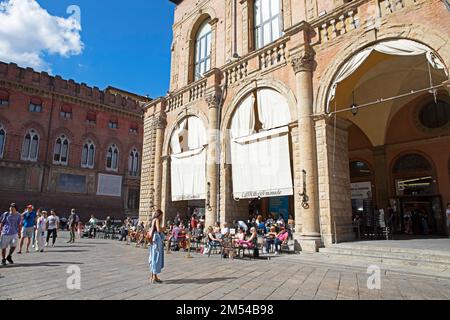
(114, 271)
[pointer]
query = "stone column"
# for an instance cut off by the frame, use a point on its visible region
(212, 161)
(159, 125)
(309, 237)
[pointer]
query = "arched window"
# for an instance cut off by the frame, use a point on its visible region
(30, 148)
(61, 150)
(268, 26)
(412, 163)
(203, 50)
(88, 155)
(414, 175)
(112, 158)
(133, 163)
(2, 140)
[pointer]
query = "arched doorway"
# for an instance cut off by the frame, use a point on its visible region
(417, 195)
(188, 144)
(380, 93)
(259, 157)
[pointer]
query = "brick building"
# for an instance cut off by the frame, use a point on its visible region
(65, 145)
(317, 109)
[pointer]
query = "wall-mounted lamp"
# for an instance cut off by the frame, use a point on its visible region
(304, 195)
(354, 108)
(208, 197)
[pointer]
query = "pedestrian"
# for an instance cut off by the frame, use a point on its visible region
(9, 226)
(33, 241)
(156, 247)
(52, 227)
(40, 230)
(73, 223)
(92, 226)
(28, 224)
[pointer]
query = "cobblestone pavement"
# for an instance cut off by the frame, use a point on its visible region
(113, 270)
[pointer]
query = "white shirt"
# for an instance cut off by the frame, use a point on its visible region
(225, 231)
(41, 224)
(53, 222)
(448, 214)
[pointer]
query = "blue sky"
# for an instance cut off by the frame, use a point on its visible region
(126, 44)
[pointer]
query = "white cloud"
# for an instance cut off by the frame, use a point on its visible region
(28, 32)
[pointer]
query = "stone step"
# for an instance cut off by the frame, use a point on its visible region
(394, 256)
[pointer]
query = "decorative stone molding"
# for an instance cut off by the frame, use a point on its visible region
(159, 121)
(303, 61)
(213, 100)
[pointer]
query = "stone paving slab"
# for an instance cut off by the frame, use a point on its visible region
(111, 270)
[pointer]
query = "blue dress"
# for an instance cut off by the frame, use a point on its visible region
(156, 254)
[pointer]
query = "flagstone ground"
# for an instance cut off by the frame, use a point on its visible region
(113, 270)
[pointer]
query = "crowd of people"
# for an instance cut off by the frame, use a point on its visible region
(33, 227)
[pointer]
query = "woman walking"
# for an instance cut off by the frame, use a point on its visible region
(156, 247)
(40, 230)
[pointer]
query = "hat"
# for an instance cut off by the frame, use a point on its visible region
(30, 206)
(13, 205)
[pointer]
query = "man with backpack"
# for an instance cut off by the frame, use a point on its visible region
(9, 226)
(73, 224)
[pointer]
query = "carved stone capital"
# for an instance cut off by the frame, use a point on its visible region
(303, 61)
(159, 121)
(213, 100)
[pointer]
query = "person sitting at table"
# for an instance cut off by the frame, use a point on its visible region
(269, 221)
(250, 242)
(225, 230)
(260, 225)
(216, 228)
(282, 237)
(270, 238)
(240, 236)
(280, 221)
(212, 239)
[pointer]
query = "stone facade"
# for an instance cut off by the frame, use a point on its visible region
(318, 38)
(80, 113)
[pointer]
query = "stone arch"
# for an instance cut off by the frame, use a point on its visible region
(63, 130)
(408, 152)
(182, 115)
(202, 16)
(93, 137)
(419, 33)
(33, 125)
(274, 84)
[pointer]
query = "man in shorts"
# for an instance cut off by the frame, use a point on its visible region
(28, 224)
(9, 226)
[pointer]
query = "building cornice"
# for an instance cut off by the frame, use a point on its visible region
(39, 91)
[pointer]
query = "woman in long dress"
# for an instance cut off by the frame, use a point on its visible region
(156, 247)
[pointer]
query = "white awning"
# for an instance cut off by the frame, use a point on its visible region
(188, 175)
(261, 164)
(188, 160)
(401, 47)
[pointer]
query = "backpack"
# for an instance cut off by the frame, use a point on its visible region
(4, 216)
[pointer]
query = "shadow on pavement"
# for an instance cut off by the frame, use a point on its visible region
(67, 251)
(197, 281)
(41, 264)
